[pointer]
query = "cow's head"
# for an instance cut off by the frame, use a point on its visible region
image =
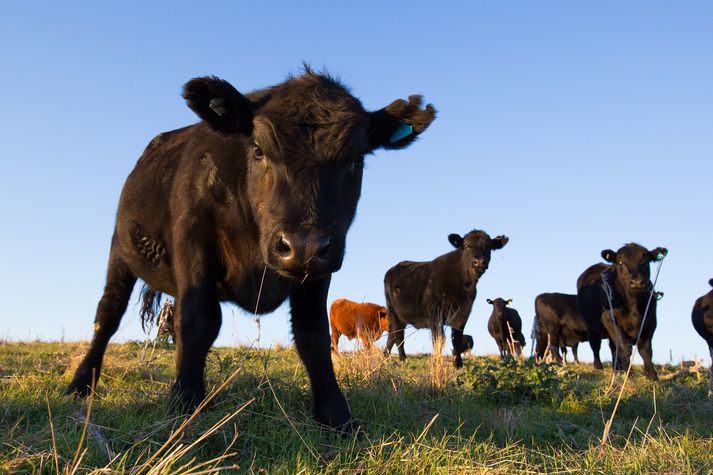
(305, 141)
(383, 315)
(499, 305)
(474, 251)
(631, 264)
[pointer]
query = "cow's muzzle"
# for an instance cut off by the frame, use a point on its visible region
(304, 254)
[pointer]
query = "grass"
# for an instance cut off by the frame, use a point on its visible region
(417, 416)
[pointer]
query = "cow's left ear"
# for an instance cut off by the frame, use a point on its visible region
(489, 301)
(499, 242)
(398, 124)
(219, 104)
(609, 256)
(456, 240)
(509, 301)
(658, 254)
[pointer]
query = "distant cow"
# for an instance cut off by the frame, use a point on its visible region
(702, 317)
(467, 345)
(252, 206)
(558, 324)
(439, 292)
(351, 319)
(505, 326)
(624, 287)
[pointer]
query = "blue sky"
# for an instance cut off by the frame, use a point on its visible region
(571, 127)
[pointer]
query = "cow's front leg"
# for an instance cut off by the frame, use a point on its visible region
(197, 321)
(457, 342)
(647, 355)
(311, 332)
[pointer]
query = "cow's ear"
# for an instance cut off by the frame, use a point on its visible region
(398, 124)
(659, 295)
(219, 104)
(658, 254)
(456, 240)
(609, 256)
(499, 242)
(489, 301)
(509, 301)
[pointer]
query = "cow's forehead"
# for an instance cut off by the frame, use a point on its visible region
(477, 239)
(632, 252)
(316, 115)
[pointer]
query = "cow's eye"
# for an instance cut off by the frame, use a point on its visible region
(621, 263)
(258, 152)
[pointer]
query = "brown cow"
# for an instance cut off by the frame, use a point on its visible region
(365, 320)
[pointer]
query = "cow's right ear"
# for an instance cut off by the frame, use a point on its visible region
(456, 240)
(489, 301)
(398, 124)
(498, 242)
(609, 256)
(219, 104)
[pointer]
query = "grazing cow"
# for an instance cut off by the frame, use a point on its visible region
(702, 317)
(439, 292)
(251, 206)
(558, 324)
(505, 326)
(614, 299)
(351, 319)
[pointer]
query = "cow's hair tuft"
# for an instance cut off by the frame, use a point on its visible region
(150, 306)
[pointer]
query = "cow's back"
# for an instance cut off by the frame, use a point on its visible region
(350, 317)
(589, 296)
(702, 317)
(407, 289)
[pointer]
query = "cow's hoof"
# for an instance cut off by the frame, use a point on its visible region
(458, 364)
(81, 385)
(598, 365)
(652, 376)
(334, 415)
(182, 401)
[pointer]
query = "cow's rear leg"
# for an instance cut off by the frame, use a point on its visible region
(335, 339)
(596, 345)
(396, 336)
(457, 343)
(112, 305)
(574, 352)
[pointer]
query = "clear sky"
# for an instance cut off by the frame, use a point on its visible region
(571, 127)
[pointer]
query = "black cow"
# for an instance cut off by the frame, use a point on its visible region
(505, 326)
(702, 317)
(439, 292)
(253, 201)
(623, 287)
(558, 324)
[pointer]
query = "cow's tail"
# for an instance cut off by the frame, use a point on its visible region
(150, 306)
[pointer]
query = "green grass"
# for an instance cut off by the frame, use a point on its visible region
(489, 417)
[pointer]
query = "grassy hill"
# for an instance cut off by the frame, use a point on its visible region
(421, 416)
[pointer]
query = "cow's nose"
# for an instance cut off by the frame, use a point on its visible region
(304, 251)
(636, 283)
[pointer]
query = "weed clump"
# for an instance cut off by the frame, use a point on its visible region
(511, 381)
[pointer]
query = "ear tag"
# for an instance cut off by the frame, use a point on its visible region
(659, 295)
(216, 104)
(402, 131)
(509, 301)
(660, 256)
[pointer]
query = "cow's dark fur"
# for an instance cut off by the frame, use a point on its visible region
(256, 199)
(505, 326)
(558, 324)
(628, 275)
(702, 317)
(439, 292)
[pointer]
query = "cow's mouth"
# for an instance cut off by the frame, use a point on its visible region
(301, 277)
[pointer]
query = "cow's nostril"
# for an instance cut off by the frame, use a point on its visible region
(283, 247)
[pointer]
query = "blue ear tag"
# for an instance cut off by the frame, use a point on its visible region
(402, 131)
(659, 295)
(660, 256)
